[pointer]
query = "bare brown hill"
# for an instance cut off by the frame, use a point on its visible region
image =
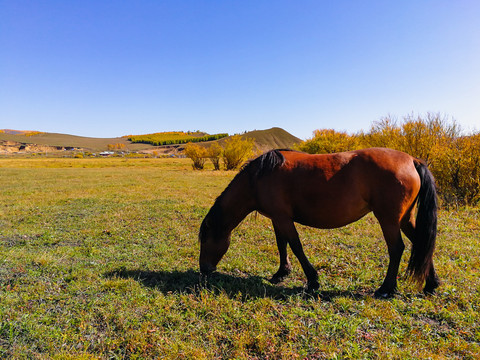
(274, 138)
(64, 141)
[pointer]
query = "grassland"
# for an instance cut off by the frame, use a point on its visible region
(98, 259)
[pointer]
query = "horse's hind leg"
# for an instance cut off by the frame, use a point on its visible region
(393, 238)
(431, 281)
(285, 266)
(286, 231)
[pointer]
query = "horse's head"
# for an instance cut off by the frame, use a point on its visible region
(214, 241)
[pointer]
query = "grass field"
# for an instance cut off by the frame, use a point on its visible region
(98, 259)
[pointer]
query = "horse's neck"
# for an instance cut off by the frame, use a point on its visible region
(236, 202)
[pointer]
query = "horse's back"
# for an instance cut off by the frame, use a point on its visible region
(332, 190)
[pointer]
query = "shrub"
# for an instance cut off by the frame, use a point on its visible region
(436, 140)
(328, 141)
(456, 167)
(213, 153)
(237, 151)
(383, 133)
(197, 154)
(32, 133)
(421, 137)
(113, 147)
(453, 159)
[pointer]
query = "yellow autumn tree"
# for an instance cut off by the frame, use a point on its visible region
(214, 153)
(236, 151)
(327, 141)
(197, 153)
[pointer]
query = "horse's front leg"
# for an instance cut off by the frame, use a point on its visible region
(285, 231)
(285, 266)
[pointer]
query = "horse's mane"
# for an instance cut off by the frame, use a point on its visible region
(259, 167)
(254, 169)
(264, 164)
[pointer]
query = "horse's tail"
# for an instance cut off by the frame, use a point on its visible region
(423, 245)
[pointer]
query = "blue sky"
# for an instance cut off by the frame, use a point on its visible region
(113, 68)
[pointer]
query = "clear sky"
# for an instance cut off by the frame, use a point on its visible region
(112, 68)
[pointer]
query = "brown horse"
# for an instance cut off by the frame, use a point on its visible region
(330, 191)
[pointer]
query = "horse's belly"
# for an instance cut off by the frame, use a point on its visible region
(329, 216)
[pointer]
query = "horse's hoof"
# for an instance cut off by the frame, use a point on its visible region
(207, 269)
(381, 294)
(429, 291)
(430, 287)
(276, 280)
(312, 286)
(280, 275)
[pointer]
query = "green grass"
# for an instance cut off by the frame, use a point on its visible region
(98, 259)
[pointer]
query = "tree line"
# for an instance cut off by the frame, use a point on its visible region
(173, 138)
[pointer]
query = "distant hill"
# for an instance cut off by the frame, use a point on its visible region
(69, 141)
(269, 139)
(273, 138)
(17, 132)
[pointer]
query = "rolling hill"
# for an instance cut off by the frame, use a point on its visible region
(54, 140)
(17, 140)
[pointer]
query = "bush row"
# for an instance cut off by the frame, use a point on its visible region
(453, 157)
(235, 152)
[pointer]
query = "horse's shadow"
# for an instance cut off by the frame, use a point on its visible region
(241, 286)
